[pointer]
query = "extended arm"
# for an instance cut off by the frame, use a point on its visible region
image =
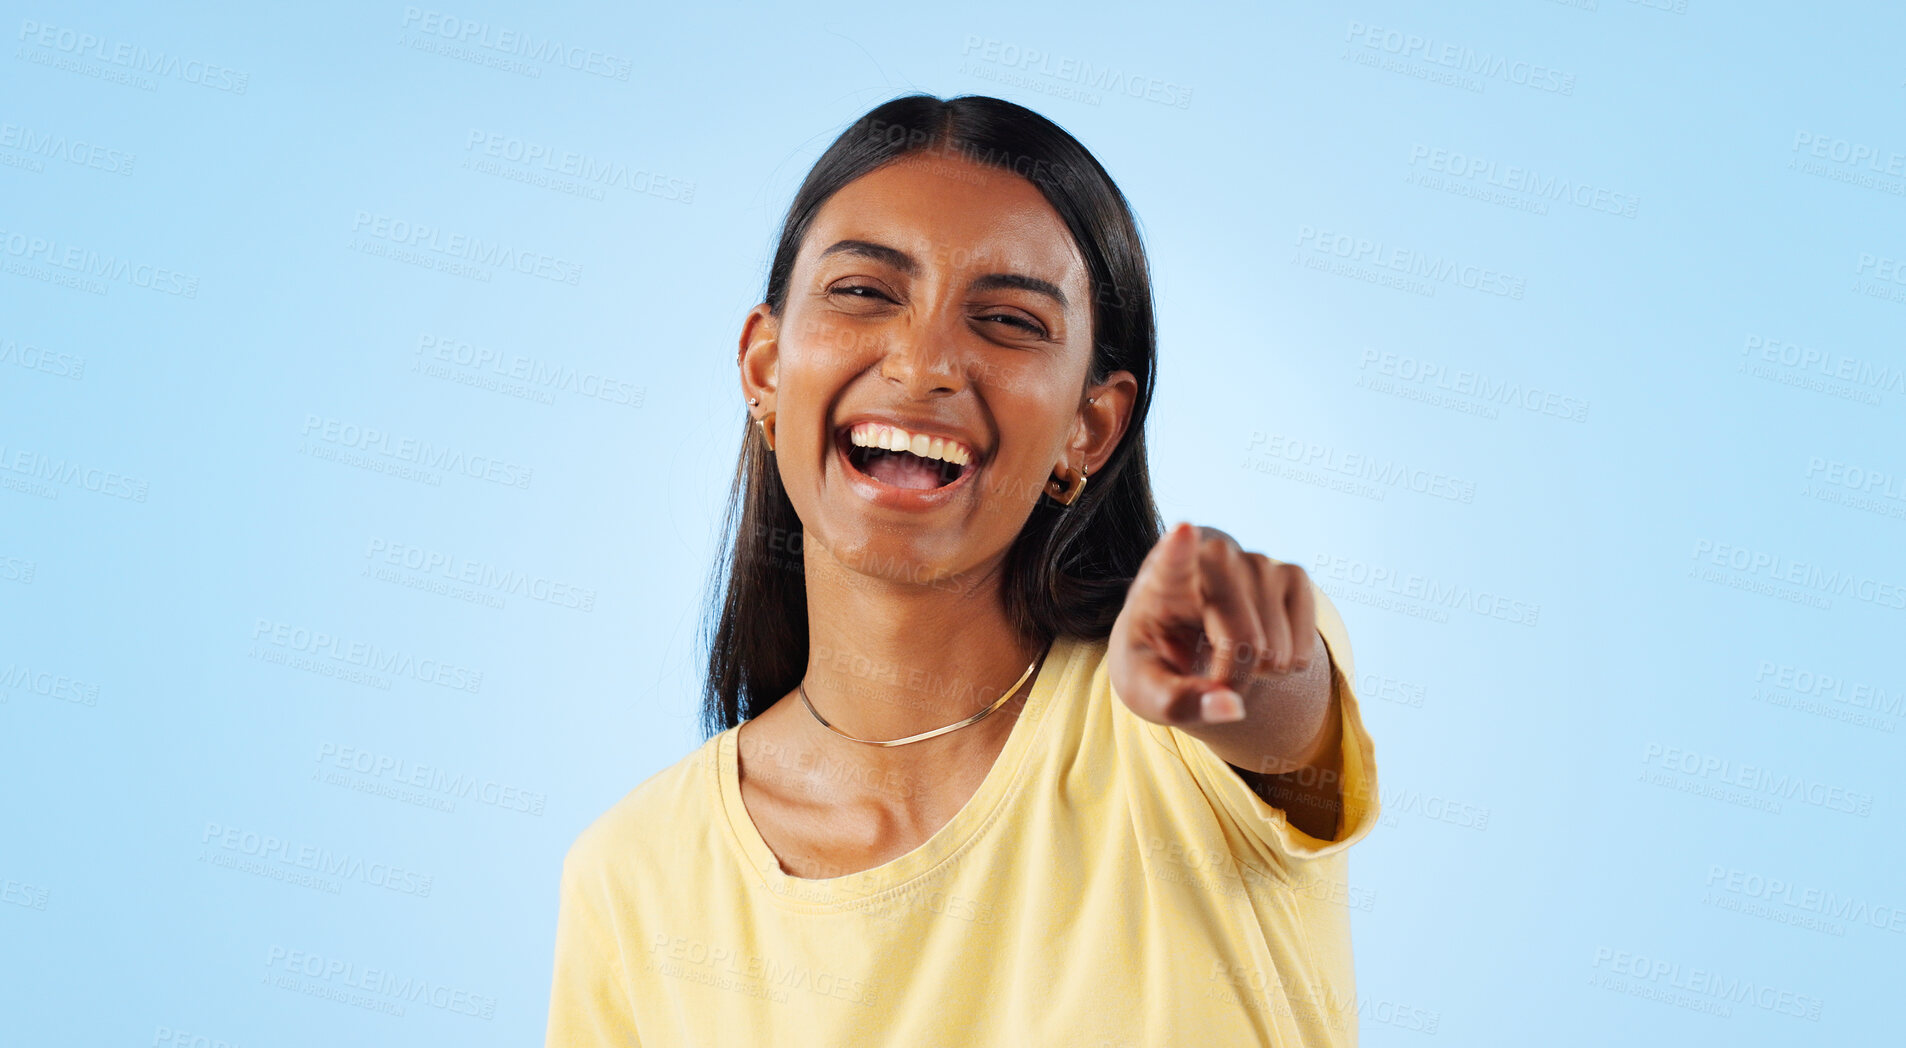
(1222, 644)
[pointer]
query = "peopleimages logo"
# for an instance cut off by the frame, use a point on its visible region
(515, 44)
(51, 362)
(37, 467)
(533, 378)
(1853, 154)
(89, 263)
(1811, 579)
(1477, 385)
(83, 45)
(1556, 188)
(1386, 472)
(48, 684)
(1702, 986)
(1804, 899)
(1433, 593)
(583, 167)
(293, 641)
(1756, 779)
(1427, 268)
(1460, 58)
(410, 450)
(448, 245)
(375, 989)
(221, 843)
(478, 574)
(1805, 366)
(1801, 681)
(1109, 79)
(452, 785)
(76, 151)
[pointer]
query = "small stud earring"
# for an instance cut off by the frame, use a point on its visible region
(752, 401)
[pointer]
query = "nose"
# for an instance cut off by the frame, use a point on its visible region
(924, 362)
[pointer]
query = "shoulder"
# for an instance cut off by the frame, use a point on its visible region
(661, 808)
(1078, 679)
(1083, 660)
(1193, 789)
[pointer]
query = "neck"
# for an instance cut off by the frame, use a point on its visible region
(888, 659)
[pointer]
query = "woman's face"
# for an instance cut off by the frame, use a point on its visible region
(939, 304)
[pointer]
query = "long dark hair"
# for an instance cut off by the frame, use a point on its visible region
(1067, 572)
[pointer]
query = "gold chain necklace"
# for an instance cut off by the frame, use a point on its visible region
(997, 703)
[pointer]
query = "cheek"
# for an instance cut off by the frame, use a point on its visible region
(827, 340)
(816, 364)
(1035, 418)
(1032, 441)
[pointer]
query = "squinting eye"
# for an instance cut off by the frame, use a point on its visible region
(1018, 321)
(846, 288)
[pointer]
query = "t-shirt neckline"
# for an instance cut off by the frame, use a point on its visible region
(818, 894)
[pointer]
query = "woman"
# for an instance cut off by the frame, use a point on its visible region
(992, 761)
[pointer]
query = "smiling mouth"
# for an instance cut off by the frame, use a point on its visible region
(900, 469)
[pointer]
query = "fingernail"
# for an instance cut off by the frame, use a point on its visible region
(1221, 706)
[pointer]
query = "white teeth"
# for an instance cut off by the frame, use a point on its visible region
(893, 438)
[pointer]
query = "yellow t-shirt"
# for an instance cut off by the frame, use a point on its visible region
(1112, 882)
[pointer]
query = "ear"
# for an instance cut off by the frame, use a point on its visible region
(760, 356)
(1103, 415)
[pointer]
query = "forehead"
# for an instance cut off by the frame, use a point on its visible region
(948, 212)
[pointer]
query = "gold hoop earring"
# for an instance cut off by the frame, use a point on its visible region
(766, 422)
(1066, 491)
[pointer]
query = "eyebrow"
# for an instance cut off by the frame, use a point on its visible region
(905, 263)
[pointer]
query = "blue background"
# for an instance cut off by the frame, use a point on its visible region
(1626, 585)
